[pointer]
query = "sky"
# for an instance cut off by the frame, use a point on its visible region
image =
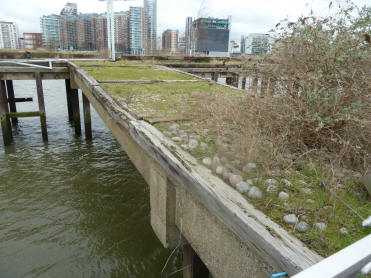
(248, 16)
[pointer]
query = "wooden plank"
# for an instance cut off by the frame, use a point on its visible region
(22, 99)
(87, 117)
(15, 115)
(4, 110)
(269, 240)
(11, 99)
(41, 102)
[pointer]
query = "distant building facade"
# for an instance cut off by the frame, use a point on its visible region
(135, 30)
(50, 29)
(234, 47)
(182, 45)
(170, 41)
(210, 36)
(188, 36)
(9, 37)
(150, 7)
(32, 40)
(256, 44)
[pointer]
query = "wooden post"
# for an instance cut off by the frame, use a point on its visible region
(11, 99)
(194, 267)
(69, 100)
(255, 84)
(87, 117)
(40, 99)
(243, 82)
(4, 110)
(76, 111)
(272, 85)
(229, 80)
(264, 86)
(236, 80)
(215, 76)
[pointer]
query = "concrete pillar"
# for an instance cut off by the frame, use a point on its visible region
(163, 207)
(236, 80)
(255, 84)
(264, 86)
(194, 267)
(229, 80)
(243, 83)
(69, 100)
(272, 85)
(215, 76)
(87, 117)
(76, 111)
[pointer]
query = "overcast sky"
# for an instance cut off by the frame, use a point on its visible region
(248, 16)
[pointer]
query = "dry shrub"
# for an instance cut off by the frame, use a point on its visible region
(322, 98)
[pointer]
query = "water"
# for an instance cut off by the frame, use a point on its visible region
(69, 208)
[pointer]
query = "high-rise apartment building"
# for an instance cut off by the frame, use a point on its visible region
(170, 41)
(50, 30)
(211, 36)
(32, 40)
(137, 31)
(69, 9)
(188, 36)
(122, 31)
(256, 44)
(9, 37)
(150, 7)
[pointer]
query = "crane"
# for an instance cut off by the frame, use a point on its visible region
(111, 27)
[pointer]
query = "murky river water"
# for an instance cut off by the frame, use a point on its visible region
(69, 208)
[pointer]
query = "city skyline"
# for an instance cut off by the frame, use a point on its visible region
(247, 17)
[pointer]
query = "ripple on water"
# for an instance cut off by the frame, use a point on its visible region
(70, 208)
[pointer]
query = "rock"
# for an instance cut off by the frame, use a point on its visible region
(185, 147)
(226, 174)
(243, 187)
(235, 179)
(302, 182)
(310, 201)
(207, 161)
(306, 191)
(219, 170)
(174, 127)
(290, 219)
(167, 133)
(344, 231)
(176, 139)
(192, 144)
(248, 167)
(320, 226)
(367, 222)
(303, 217)
(216, 162)
(366, 181)
(272, 188)
(250, 182)
(283, 195)
(302, 227)
(270, 182)
(255, 193)
(286, 182)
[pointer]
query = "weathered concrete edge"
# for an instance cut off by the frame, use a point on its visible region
(271, 242)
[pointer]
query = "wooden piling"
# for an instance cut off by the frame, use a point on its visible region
(255, 84)
(87, 117)
(40, 99)
(229, 80)
(243, 82)
(76, 111)
(272, 86)
(69, 100)
(194, 267)
(236, 80)
(215, 76)
(4, 118)
(264, 86)
(11, 99)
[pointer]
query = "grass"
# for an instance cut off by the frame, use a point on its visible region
(134, 73)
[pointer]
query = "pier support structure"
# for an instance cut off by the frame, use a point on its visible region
(87, 117)
(215, 76)
(193, 265)
(243, 82)
(40, 99)
(4, 117)
(69, 100)
(11, 99)
(76, 111)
